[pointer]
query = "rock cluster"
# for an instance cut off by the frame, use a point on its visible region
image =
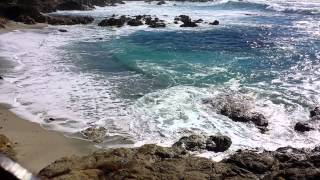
(312, 124)
(155, 162)
(197, 143)
(133, 21)
(240, 109)
(30, 15)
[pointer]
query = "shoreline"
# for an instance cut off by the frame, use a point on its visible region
(35, 146)
(12, 26)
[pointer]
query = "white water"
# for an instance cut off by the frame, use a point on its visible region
(46, 83)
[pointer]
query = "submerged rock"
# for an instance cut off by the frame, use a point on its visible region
(6, 147)
(302, 127)
(215, 22)
(113, 22)
(62, 30)
(198, 143)
(94, 134)
(161, 2)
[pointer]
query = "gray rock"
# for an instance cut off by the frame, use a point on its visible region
(94, 134)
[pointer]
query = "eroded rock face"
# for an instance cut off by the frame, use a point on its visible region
(198, 143)
(146, 162)
(155, 162)
(239, 108)
(6, 147)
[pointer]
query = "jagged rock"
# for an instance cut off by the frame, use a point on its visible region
(6, 147)
(1, 78)
(69, 20)
(113, 22)
(215, 22)
(94, 134)
(238, 108)
(302, 127)
(197, 143)
(26, 19)
(161, 2)
(146, 162)
(157, 25)
(218, 143)
(62, 30)
(186, 21)
(199, 21)
(71, 5)
(315, 112)
(155, 162)
(134, 22)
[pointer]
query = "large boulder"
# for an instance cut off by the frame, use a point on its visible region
(198, 143)
(6, 147)
(113, 21)
(187, 22)
(303, 126)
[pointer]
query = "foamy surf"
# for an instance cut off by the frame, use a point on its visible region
(147, 85)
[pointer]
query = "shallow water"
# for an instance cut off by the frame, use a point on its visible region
(147, 84)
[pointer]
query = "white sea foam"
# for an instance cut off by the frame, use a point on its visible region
(45, 82)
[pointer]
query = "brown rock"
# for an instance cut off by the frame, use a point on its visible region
(6, 147)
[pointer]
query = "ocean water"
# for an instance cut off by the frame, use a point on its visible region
(147, 84)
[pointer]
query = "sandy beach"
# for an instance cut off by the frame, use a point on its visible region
(35, 146)
(11, 26)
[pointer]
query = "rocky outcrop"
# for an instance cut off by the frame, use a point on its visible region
(113, 22)
(198, 143)
(69, 20)
(6, 147)
(72, 5)
(161, 2)
(311, 124)
(3, 22)
(240, 109)
(215, 22)
(31, 15)
(94, 134)
(187, 22)
(155, 162)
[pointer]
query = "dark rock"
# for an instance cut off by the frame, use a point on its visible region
(71, 5)
(157, 25)
(199, 21)
(175, 22)
(155, 162)
(6, 147)
(315, 112)
(134, 22)
(20, 12)
(218, 143)
(198, 143)
(215, 22)
(94, 134)
(186, 21)
(26, 20)
(161, 2)
(302, 127)
(62, 30)
(191, 143)
(146, 162)
(69, 20)
(113, 22)
(1, 78)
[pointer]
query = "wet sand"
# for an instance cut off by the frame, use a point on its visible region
(37, 147)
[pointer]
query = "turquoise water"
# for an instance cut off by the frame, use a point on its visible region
(148, 84)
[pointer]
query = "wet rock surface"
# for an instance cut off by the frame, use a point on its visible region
(311, 124)
(95, 134)
(240, 109)
(6, 147)
(198, 143)
(155, 162)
